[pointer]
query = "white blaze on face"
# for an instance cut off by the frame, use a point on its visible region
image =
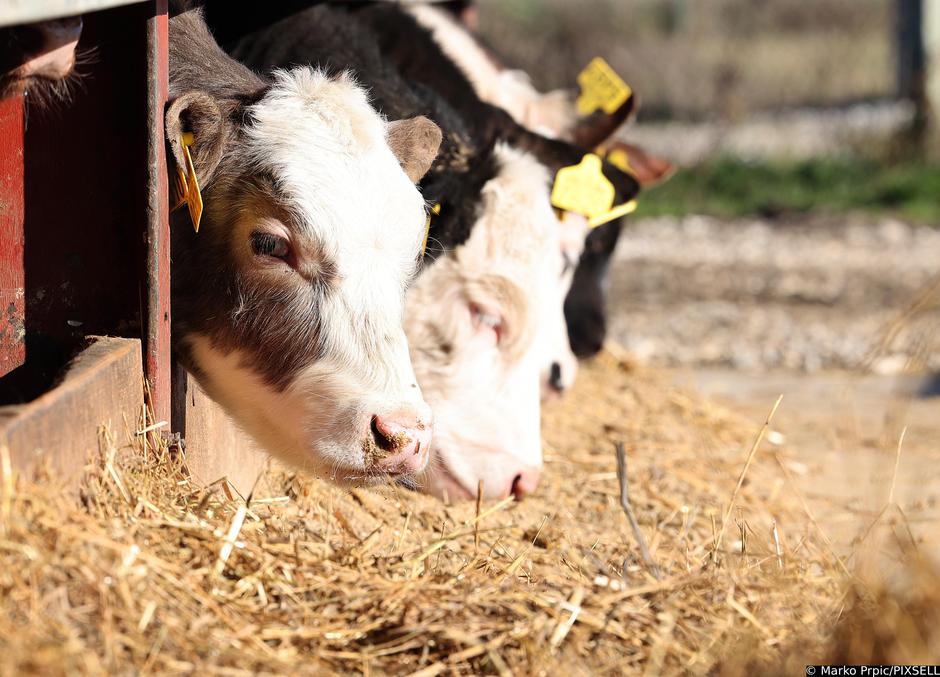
(475, 323)
(325, 148)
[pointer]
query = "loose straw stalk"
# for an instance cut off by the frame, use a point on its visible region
(628, 509)
(747, 464)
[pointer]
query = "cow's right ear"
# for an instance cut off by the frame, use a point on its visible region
(649, 169)
(199, 114)
(415, 143)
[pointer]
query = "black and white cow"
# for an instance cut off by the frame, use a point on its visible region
(553, 114)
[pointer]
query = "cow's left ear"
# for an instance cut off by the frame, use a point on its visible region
(415, 143)
(200, 114)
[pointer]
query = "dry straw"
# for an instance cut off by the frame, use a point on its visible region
(151, 573)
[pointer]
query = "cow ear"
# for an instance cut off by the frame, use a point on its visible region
(415, 143)
(649, 169)
(591, 131)
(197, 113)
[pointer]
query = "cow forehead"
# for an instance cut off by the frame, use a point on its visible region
(326, 148)
(517, 233)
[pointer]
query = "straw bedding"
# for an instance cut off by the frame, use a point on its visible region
(152, 573)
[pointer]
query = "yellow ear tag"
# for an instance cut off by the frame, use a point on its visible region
(435, 210)
(621, 160)
(583, 188)
(615, 213)
(192, 196)
(602, 88)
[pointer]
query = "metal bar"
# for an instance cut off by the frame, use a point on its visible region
(157, 313)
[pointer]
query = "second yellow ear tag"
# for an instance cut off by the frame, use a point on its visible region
(583, 188)
(435, 210)
(190, 192)
(601, 88)
(619, 159)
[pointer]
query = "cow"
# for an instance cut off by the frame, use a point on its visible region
(552, 114)
(288, 301)
(486, 311)
(415, 51)
(38, 58)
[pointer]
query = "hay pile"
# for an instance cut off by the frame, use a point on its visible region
(151, 573)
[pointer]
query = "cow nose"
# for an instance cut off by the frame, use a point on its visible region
(554, 378)
(525, 482)
(401, 443)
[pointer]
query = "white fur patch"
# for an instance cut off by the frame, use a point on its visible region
(486, 399)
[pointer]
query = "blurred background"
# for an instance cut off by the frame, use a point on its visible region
(797, 248)
(801, 223)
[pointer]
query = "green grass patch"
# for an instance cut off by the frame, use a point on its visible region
(730, 187)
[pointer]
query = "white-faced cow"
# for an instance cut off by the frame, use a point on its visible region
(288, 302)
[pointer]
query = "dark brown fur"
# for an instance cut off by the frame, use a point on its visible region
(216, 293)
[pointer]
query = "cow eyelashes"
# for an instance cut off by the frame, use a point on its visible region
(486, 320)
(267, 244)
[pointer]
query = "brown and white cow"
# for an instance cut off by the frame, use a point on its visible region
(288, 302)
(37, 57)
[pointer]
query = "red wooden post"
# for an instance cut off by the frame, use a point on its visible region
(157, 320)
(12, 282)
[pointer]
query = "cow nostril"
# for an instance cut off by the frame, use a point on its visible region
(515, 489)
(554, 377)
(382, 441)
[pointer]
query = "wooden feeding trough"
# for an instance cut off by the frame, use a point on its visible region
(85, 256)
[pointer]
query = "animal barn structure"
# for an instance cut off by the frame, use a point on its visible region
(85, 256)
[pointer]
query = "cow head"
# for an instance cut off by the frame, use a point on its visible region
(288, 302)
(478, 323)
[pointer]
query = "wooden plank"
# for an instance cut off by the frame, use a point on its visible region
(102, 386)
(157, 363)
(13, 12)
(12, 277)
(215, 447)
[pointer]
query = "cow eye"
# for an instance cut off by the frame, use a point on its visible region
(268, 244)
(487, 321)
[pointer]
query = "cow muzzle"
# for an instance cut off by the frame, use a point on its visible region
(399, 443)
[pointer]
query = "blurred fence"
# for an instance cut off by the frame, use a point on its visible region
(693, 59)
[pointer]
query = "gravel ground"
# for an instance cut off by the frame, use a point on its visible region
(815, 294)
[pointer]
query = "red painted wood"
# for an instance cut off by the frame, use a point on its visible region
(12, 278)
(86, 190)
(157, 355)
